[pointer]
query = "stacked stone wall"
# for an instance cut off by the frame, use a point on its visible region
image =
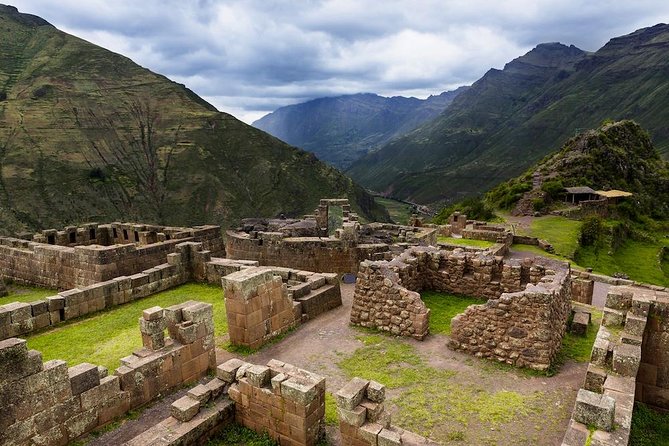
(286, 402)
(264, 302)
(51, 404)
(363, 420)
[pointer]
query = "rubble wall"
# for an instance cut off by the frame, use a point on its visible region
(51, 404)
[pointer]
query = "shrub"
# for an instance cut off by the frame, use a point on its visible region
(592, 231)
(553, 188)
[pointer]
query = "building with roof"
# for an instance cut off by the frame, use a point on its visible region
(575, 195)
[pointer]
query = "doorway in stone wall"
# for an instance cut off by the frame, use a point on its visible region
(335, 219)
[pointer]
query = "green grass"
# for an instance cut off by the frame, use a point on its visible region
(236, 435)
(105, 337)
(331, 417)
(443, 307)
(578, 348)
(399, 212)
(429, 397)
(538, 251)
(22, 293)
(465, 242)
(640, 260)
(649, 428)
(560, 232)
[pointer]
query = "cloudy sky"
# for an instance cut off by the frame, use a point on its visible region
(249, 57)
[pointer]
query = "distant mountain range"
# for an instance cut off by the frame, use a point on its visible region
(511, 118)
(339, 130)
(87, 134)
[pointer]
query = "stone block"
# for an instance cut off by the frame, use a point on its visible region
(19, 311)
(635, 325)
(369, 432)
(198, 312)
(600, 350)
(301, 391)
(594, 409)
(83, 377)
(613, 318)
(201, 393)
(389, 437)
(39, 307)
(355, 417)
(96, 396)
(374, 410)
(618, 299)
(258, 375)
(579, 324)
(351, 395)
(626, 359)
(376, 392)
(153, 313)
(594, 378)
(216, 387)
(228, 370)
(185, 408)
(55, 303)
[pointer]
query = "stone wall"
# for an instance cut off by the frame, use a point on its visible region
(51, 404)
(523, 328)
(363, 420)
(582, 289)
(386, 298)
(617, 375)
(263, 302)
(65, 267)
(306, 253)
(286, 402)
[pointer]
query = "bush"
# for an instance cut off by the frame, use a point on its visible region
(538, 204)
(553, 188)
(592, 231)
(474, 208)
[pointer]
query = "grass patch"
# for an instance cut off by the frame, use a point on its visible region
(443, 307)
(236, 435)
(560, 232)
(23, 293)
(105, 337)
(649, 428)
(331, 417)
(465, 242)
(399, 212)
(538, 251)
(429, 398)
(579, 348)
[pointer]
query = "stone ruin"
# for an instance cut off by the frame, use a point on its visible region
(3, 288)
(521, 323)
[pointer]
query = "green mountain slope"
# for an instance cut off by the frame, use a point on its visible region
(510, 119)
(86, 134)
(339, 130)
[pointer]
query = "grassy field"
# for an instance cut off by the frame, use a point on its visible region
(579, 348)
(560, 232)
(21, 293)
(443, 307)
(465, 242)
(649, 428)
(399, 212)
(103, 338)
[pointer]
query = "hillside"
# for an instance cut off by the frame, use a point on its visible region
(86, 134)
(511, 118)
(616, 155)
(339, 130)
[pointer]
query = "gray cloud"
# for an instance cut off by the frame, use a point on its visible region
(249, 57)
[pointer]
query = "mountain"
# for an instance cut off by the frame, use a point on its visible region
(510, 119)
(339, 130)
(86, 134)
(617, 155)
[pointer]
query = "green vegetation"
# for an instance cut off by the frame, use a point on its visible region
(443, 307)
(505, 195)
(474, 208)
(578, 348)
(85, 153)
(399, 212)
(649, 428)
(538, 251)
(560, 232)
(23, 293)
(429, 397)
(237, 435)
(331, 417)
(105, 337)
(465, 242)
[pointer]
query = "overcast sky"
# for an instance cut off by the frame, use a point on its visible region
(250, 57)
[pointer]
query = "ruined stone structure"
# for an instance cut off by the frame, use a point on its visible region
(286, 402)
(529, 321)
(363, 420)
(65, 267)
(51, 404)
(3, 288)
(263, 302)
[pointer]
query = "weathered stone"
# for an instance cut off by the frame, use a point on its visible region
(83, 377)
(200, 393)
(228, 370)
(351, 395)
(185, 408)
(355, 417)
(388, 437)
(594, 409)
(376, 392)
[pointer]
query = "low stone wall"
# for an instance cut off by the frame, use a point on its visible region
(286, 402)
(327, 254)
(51, 404)
(264, 302)
(524, 328)
(614, 378)
(65, 267)
(582, 289)
(363, 420)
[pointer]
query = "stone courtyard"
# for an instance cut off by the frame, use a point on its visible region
(295, 366)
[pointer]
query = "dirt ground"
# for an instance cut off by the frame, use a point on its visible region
(319, 345)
